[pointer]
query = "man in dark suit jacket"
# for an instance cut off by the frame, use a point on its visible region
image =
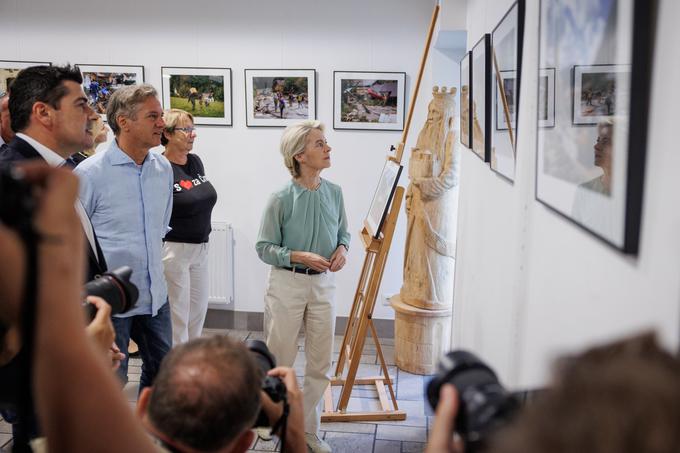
(51, 117)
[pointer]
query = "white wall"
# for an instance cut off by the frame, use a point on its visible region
(244, 163)
(530, 285)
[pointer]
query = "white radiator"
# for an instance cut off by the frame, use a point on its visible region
(221, 266)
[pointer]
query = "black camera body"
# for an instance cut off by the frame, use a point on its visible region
(485, 405)
(272, 386)
(115, 288)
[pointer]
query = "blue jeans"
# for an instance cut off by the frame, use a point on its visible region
(153, 335)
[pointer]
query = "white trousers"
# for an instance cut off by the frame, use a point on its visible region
(186, 272)
(291, 299)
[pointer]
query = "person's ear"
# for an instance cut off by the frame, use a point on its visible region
(42, 113)
(143, 402)
(122, 123)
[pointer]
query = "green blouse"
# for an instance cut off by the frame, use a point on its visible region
(298, 219)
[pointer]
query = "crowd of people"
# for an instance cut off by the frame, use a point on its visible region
(130, 206)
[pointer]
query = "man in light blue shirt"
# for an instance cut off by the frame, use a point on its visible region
(127, 193)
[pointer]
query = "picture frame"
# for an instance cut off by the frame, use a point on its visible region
(593, 174)
(594, 92)
(480, 111)
(506, 64)
(465, 100)
(369, 100)
(546, 98)
(101, 81)
(266, 87)
(382, 197)
(10, 68)
(203, 92)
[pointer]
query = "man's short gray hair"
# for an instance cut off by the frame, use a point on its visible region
(126, 101)
(293, 143)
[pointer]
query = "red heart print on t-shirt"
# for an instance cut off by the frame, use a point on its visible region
(186, 184)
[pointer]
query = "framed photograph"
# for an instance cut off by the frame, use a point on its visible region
(101, 81)
(369, 100)
(465, 100)
(203, 92)
(10, 69)
(382, 198)
(546, 97)
(595, 92)
(481, 88)
(279, 97)
(506, 62)
(590, 170)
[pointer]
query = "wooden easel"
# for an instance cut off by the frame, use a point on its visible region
(361, 315)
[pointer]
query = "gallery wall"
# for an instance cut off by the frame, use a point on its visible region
(531, 285)
(243, 163)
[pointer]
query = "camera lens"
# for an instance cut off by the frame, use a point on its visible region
(115, 288)
(273, 387)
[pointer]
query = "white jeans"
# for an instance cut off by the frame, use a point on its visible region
(291, 299)
(186, 272)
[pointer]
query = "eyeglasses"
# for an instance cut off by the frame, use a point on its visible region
(188, 130)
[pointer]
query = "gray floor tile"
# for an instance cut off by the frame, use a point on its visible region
(363, 405)
(403, 433)
(134, 369)
(133, 377)
(130, 391)
(412, 447)
(349, 442)
(5, 439)
(134, 361)
(5, 428)
(411, 386)
(387, 446)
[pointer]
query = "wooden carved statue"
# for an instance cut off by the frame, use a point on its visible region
(464, 113)
(430, 239)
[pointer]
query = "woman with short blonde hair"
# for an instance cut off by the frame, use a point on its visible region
(303, 236)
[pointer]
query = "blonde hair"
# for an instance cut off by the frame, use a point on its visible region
(293, 142)
(172, 118)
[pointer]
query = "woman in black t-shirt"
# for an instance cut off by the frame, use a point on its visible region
(185, 250)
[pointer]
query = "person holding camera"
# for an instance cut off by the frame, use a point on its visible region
(127, 193)
(75, 392)
(621, 397)
(206, 398)
(51, 117)
(303, 236)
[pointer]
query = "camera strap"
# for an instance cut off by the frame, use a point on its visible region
(282, 423)
(25, 409)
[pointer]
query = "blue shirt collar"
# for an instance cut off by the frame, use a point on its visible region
(118, 157)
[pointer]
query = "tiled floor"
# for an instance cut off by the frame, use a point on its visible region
(356, 437)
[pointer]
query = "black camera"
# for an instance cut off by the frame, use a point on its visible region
(115, 288)
(272, 386)
(485, 406)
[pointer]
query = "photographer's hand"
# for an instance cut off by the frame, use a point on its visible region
(100, 329)
(441, 436)
(295, 431)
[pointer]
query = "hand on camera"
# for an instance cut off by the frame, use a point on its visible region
(295, 431)
(442, 438)
(100, 330)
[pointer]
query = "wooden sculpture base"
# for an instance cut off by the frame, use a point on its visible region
(420, 336)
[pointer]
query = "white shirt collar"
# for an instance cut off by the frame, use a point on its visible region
(53, 159)
(2, 142)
